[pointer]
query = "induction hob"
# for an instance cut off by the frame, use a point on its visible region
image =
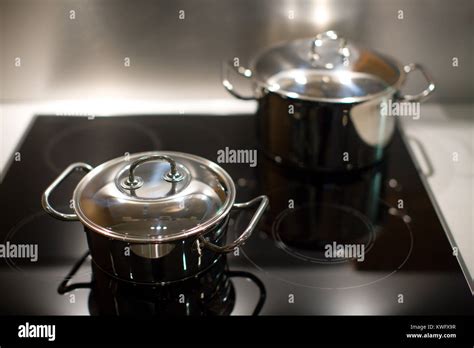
(408, 267)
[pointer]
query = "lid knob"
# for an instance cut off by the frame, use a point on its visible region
(133, 182)
(330, 35)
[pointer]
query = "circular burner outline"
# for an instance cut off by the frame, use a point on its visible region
(388, 206)
(303, 257)
(57, 138)
(14, 266)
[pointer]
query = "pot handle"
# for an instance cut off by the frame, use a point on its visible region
(239, 70)
(248, 231)
(330, 35)
(426, 92)
(133, 182)
(423, 154)
(45, 198)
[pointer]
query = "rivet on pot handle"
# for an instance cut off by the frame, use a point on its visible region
(424, 94)
(248, 231)
(330, 35)
(45, 198)
(241, 71)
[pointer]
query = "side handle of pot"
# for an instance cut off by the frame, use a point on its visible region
(248, 231)
(423, 158)
(239, 70)
(426, 92)
(45, 198)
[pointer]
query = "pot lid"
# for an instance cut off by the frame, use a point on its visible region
(326, 68)
(154, 197)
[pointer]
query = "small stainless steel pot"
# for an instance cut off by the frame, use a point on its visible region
(323, 102)
(155, 217)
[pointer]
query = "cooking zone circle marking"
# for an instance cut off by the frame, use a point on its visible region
(26, 232)
(109, 142)
(273, 271)
(358, 219)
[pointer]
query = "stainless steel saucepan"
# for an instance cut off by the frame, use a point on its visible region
(155, 217)
(324, 102)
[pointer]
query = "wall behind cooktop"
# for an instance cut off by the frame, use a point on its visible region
(173, 58)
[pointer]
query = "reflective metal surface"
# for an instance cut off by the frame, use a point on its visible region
(323, 136)
(426, 92)
(208, 294)
(317, 69)
(247, 231)
(140, 216)
(157, 210)
(342, 51)
(155, 263)
(134, 182)
(320, 101)
(180, 59)
(45, 197)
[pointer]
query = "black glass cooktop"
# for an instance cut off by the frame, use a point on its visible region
(296, 263)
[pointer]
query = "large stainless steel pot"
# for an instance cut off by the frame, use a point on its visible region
(155, 217)
(324, 102)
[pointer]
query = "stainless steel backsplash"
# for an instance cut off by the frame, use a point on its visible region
(63, 58)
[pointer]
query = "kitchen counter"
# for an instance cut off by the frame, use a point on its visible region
(442, 142)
